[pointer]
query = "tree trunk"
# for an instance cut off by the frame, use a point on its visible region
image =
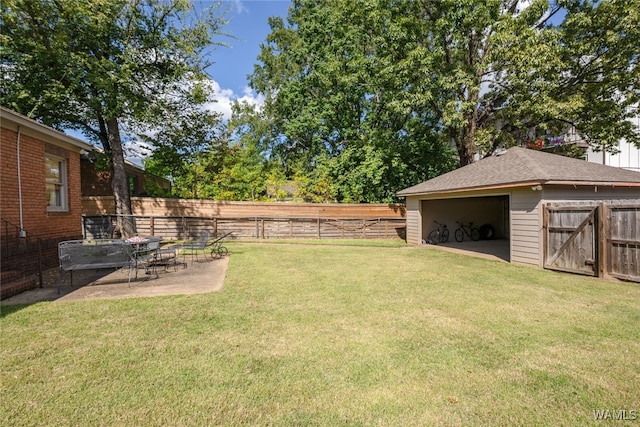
(125, 224)
(467, 145)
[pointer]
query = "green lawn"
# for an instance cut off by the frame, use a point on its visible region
(334, 335)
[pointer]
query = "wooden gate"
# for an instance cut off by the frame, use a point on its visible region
(602, 240)
(622, 248)
(571, 239)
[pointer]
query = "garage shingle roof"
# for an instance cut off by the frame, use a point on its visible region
(521, 166)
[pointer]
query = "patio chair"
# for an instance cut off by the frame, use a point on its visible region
(147, 256)
(168, 255)
(195, 246)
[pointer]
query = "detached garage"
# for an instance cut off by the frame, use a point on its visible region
(536, 203)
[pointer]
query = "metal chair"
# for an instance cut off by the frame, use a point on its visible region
(195, 246)
(147, 256)
(168, 254)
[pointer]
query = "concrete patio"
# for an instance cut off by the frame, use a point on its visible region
(188, 278)
(491, 249)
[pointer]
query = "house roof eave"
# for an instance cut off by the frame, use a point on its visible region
(595, 183)
(612, 184)
(17, 119)
(467, 189)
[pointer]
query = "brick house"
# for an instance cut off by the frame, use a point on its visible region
(96, 181)
(40, 197)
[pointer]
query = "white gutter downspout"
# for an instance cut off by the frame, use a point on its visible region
(22, 232)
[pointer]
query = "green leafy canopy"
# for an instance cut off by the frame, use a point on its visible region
(378, 90)
(103, 66)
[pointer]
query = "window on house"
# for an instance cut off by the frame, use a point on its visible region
(56, 184)
(133, 184)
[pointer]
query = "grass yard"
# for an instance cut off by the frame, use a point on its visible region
(334, 335)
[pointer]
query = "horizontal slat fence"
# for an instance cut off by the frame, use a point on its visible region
(155, 207)
(184, 228)
(181, 219)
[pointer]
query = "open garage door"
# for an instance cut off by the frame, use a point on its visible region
(482, 210)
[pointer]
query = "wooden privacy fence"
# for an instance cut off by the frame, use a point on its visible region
(597, 240)
(156, 207)
(184, 227)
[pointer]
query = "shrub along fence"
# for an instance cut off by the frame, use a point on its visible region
(180, 219)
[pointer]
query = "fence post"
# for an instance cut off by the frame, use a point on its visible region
(603, 240)
(40, 261)
(151, 226)
(319, 233)
(545, 233)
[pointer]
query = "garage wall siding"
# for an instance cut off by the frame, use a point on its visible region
(526, 227)
(590, 194)
(414, 222)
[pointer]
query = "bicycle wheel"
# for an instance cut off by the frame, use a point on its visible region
(459, 235)
(475, 234)
(487, 232)
(444, 236)
(433, 237)
(223, 251)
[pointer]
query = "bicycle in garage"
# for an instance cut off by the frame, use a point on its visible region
(466, 230)
(439, 235)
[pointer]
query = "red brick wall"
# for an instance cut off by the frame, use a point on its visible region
(98, 183)
(95, 183)
(36, 219)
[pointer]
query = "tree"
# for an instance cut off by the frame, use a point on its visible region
(188, 148)
(332, 99)
(245, 171)
(209, 159)
(500, 73)
(600, 82)
(103, 66)
(377, 89)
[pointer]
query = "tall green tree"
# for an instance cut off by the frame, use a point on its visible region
(100, 66)
(333, 100)
(188, 148)
(247, 166)
(377, 89)
(208, 158)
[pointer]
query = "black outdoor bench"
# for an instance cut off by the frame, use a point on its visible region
(101, 253)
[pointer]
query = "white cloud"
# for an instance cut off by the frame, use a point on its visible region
(137, 151)
(226, 97)
(239, 6)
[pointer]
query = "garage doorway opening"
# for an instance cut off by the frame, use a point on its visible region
(492, 211)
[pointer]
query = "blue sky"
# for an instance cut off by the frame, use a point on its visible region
(248, 24)
(249, 27)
